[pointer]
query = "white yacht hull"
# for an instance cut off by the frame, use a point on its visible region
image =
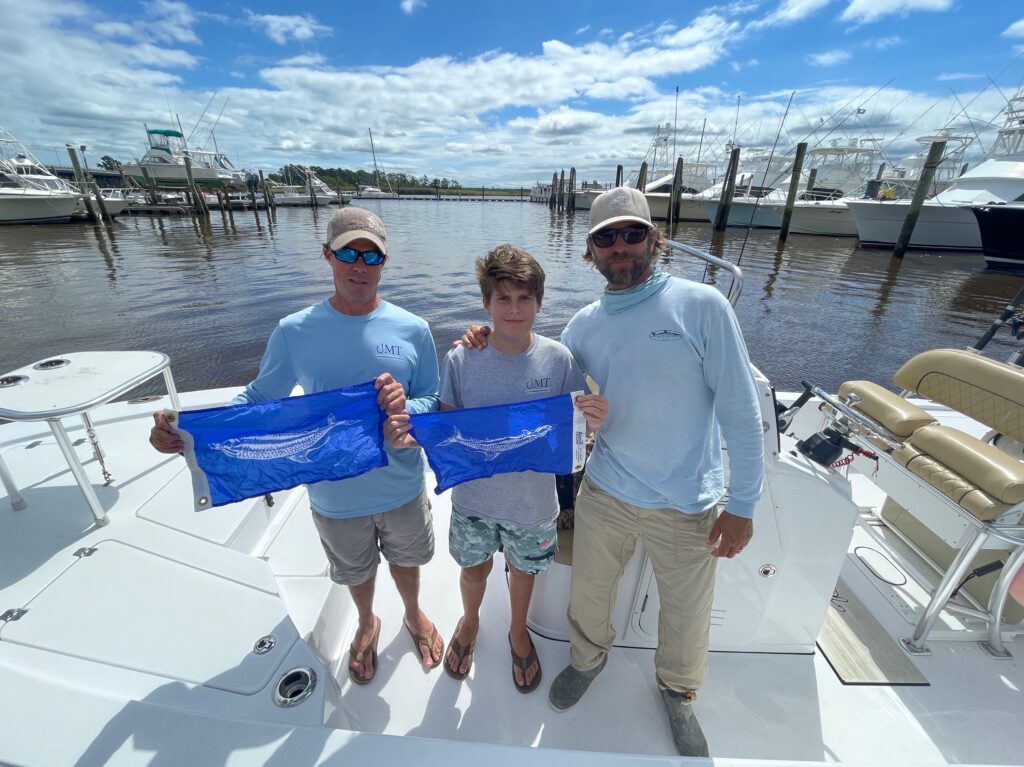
(939, 227)
(19, 206)
(298, 200)
(175, 175)
(758, 215)
(825, 219)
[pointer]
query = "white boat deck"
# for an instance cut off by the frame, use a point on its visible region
(63, 706)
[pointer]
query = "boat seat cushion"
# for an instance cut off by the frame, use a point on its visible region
(979, 477)
(896, 414)
(986, 390)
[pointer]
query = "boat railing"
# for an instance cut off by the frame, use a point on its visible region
(735, 287)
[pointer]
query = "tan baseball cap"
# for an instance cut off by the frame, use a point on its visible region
(623, 203)
(351, 223)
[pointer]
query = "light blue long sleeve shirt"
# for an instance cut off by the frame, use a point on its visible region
(320, 349)
(674, 369)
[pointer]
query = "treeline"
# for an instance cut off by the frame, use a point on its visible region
(351, 179)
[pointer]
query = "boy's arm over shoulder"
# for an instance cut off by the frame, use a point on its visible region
(422, 395)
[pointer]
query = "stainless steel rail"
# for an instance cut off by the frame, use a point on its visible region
(737, 274)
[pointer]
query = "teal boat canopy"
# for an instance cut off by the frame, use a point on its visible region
(164, 132)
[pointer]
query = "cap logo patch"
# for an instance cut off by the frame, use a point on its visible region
(619, 200)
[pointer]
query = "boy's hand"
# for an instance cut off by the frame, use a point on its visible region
(162, 437)
(390, 394)
(594, 408)
(396, 431)
(474, 338)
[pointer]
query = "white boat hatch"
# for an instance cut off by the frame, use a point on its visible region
(208, 630)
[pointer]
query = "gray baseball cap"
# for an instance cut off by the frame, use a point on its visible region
(351, 223)
(623, 203)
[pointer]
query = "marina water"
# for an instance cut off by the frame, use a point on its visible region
(209, 292)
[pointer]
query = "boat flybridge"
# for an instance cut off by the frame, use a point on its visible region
(134, 630)
(29, 192)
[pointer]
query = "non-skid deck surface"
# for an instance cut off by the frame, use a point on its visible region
(859, 650)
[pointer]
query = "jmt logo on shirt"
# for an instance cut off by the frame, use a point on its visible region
(538, 384)
(389, 350)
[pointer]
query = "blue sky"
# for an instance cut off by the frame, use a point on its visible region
(501, 93)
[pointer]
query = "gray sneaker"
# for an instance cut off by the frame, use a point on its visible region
(686, 732)
(569, 686)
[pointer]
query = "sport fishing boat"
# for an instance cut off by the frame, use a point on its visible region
(164, 162)
(823, 211)
(29, 193)
(1000, 227)
(829, 172)
(946, 221)
(143, 631)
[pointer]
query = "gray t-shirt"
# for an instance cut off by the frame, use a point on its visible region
(488, 377)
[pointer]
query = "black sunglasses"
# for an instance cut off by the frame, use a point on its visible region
(351, 255)
(605, 238)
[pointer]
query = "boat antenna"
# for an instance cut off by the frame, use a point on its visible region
(190, 135)
(182, 132)
(217, 121)
(765, 177)
(701, 144)
(675, 117)
(736, 122)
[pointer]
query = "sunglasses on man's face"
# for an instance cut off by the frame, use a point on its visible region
(351, 255)
(631, 235)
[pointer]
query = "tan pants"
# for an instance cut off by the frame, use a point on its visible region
(604, 539)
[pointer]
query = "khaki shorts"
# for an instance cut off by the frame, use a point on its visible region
(405, 536)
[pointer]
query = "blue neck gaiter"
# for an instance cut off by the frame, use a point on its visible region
(615, 301)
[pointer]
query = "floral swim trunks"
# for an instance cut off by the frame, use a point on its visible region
(472, 540)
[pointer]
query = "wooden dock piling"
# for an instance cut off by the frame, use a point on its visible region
(812, 178)
(268, 196)
(728, 190)
(198, 201)
(618, 175)
(935, 152)
(673, 199)
(553, 197)
(561, 191)
(572, 189)
(80, 180)
(641, 177)
(794, 186)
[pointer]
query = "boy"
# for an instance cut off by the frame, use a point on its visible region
(516, 511)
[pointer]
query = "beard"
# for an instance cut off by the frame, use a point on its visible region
(623, 278)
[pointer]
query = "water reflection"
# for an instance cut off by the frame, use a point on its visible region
(209, 291)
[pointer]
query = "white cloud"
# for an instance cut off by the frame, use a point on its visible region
(866, 11)
(883, 43)
(789, 12)
(304, 60)
(957, 76)
(113, 29)
(409, 6)
(171, 22)
(280, 29)
(1016, 29)
(582, 29)
(828, 58)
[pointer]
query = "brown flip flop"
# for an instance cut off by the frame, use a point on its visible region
(460, 655)
(359, 655)
(525, 663)
(421, 641)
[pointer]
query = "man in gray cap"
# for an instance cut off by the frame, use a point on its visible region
(351, 337)
(668, 355)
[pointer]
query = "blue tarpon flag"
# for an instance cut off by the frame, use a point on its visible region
(248, 450)
(546, 435)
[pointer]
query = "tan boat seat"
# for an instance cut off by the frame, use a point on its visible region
(882, 406)
(979, 477)
(986, 390)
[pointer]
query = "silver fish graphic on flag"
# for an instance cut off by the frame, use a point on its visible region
(295, 446)
(492, 448)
